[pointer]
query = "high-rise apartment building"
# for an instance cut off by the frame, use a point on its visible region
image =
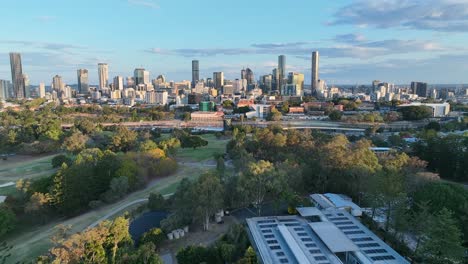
(27, 88)
(315, 71)
(281, 71)
(118, 83)
(42, 90)
(218, 79)
(275, 80)
(130, 82)
(19, 91)
(83, 81)
(267, 83)
(57, 83)
(103, 72)
(195, 73)
(297, 79)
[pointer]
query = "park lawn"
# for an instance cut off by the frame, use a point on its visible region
(25, 167)
(215, 147)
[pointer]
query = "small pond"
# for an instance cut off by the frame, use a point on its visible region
(146, 222)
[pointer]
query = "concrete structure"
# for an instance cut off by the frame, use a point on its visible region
(83, 81)
(162, 97)
(195, 72)
(315, 71)
(438, 110)
(330, 236)
(249, 76)
(19, 91)
(103, 73)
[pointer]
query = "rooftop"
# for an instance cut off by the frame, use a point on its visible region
(326, 236)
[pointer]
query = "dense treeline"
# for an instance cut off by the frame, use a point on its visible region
(110, 242)
(279, 165)
(447, 155)
(89, 177)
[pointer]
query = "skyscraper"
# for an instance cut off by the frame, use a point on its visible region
(103, 72)
(139, 76)
(243, 74)
(281, 71)
(275, 79)
(218, 78)
(118, 83)
(195, 73)
(17, 79)
(57, 83)
(419, 88)
(41, 90)
(27, 88)
(83, 81)
(4, 87)
(249, 76)
(315, 71)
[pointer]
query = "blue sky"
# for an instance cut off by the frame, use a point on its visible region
(359, 40)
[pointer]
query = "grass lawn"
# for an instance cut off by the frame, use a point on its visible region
(25, 167)
(215, 146)
(6, 191)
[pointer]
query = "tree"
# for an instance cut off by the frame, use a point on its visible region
(123, 139)
(156, 202)
(58, 160)
(118, 232)
(433, 125)
(75, 143)
(146, 254)
(193, 142)
(7, 220)
(442, 243)
(154, 235)
(413, 112)
(274, 115)
(208, 198)
(335, 115)
(257, 182)
(147, 145)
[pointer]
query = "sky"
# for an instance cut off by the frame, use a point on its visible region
(397, 41)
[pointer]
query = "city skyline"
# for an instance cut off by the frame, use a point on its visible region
(358, 40)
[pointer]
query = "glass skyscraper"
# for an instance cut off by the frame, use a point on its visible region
(195, 73)
(103, 72)
(19, 91)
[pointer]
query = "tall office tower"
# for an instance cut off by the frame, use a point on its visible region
(57, 83)
(209, 83)
(146, 77)
(281, 71)
(275, 80)
(27, 88)
(195, 72)
(419, 88)
(130, 82)
(17, 76)
(41, 90)
(118, 83)
(296, 79)
(375, 85)
(139, 76)
(267, 83)
(249, 76)
(218, 79)
(4, 87)
(103, 72)
(315, 71)
(243, 74)
(83, 81)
